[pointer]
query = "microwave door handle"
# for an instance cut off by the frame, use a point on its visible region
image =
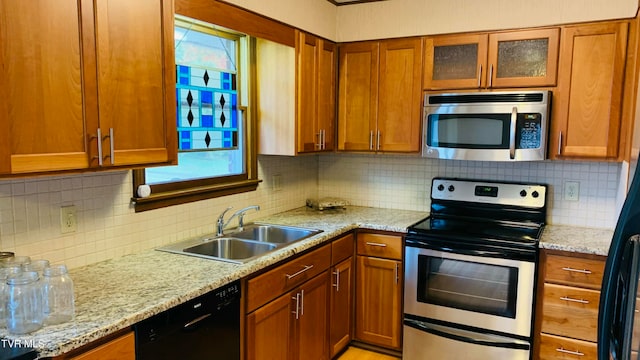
(512, 133)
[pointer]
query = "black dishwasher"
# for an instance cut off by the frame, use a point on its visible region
(207, 327)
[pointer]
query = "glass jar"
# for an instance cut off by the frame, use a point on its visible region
(5, 273)
(24, 303)
(58, 295)
(37, 266)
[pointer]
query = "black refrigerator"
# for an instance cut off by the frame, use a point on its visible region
(619, 316)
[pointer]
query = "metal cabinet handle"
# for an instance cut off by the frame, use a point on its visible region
(337, 284)
(306, 267)
(577, 353)
(581, 301)
(378, 141)
(111, 156)
(318, 144)
(99, 138)
(480, 76)
(376, 244)
(560, 143)
(371, 140)
(512, 133)
(585, 271)
(491, 76)
(297, 299)
(301, 302)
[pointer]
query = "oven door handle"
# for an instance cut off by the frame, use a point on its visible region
(467, 336)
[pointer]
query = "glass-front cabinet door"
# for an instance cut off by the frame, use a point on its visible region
(455, 61)
(527, 58)
(523, 58)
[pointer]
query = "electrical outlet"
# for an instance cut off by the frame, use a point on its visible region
(277, 182)
(68, 219)
(571, 190)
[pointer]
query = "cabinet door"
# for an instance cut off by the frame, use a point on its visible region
(378, 301)
(399, 96)
(121, 348)
(455, 62)
(341, 305)
(136, 81)
(588, 100)
(326, 118)
(358, 96)
(312, 325)
(523, 58)
(306, 80)
(43, 91)
(269, 330)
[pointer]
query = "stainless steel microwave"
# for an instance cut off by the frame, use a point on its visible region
(491, 126)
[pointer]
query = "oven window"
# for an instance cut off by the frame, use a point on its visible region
(466, 285)
(471, 131)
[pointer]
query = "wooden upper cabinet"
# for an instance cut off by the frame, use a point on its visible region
(68, 69)
(455, 61)
(526, 58)
(357, 95)
(136, 81)
(400, 96)
(316, 97)
(523, 58)
(296, 95)
(587, 113)
(379, 97)
(42, 86)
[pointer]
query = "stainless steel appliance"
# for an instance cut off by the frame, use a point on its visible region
(492, 126)
(202, 328)
(470, 271)
(619, 313)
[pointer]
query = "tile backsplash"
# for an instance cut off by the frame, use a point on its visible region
(404, 183)
(108, 226)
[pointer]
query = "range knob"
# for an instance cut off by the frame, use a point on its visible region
(523, 193)
(440, 187)
(451, 188)
(535, 194)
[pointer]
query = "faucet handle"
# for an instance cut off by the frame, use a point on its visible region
(221, 217)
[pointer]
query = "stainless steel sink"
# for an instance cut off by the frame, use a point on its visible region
(241, 246)
(230, 248)
(275, 234)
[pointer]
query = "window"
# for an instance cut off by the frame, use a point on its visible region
(215, 153)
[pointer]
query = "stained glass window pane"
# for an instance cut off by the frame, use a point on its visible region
(209, 123)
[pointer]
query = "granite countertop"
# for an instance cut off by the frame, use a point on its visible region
(576, 239)
(117, 293)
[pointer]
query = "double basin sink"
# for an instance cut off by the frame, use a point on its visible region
(252, 241)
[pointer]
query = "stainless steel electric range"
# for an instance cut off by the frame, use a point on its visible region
(470, 271)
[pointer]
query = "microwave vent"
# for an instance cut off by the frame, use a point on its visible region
(486, 98)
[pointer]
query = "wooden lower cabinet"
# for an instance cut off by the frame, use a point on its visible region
(567, 317)
(293, 326)
(121, 348)
(378, 301)
(341, 305)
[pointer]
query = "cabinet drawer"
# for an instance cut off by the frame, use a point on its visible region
(570, 311)
(379, 245)
(574, 271)
(120, 348)
(273, 283)
(341, 249)
(556, 347)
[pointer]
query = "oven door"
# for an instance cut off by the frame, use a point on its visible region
(479, 291)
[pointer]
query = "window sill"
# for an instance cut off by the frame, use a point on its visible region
(164, 199)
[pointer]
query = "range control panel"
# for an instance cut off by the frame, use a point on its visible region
(514, 194)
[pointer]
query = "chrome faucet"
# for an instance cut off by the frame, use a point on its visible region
(220, 224)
